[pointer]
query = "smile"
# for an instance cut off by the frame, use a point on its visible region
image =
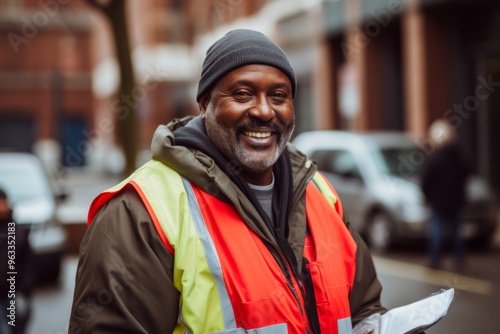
(257, 134)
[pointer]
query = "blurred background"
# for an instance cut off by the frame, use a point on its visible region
(84, 84)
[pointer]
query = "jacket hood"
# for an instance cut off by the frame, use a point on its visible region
(201, 169)
(197, 168)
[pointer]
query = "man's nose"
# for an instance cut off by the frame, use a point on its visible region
(262, 110)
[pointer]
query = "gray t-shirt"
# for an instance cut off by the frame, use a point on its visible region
(265, 196)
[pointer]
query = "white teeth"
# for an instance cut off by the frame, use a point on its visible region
(258, 134)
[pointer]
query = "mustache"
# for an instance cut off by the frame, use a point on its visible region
(259, 124)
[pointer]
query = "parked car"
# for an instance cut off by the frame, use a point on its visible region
(376, 177)
(34, 203)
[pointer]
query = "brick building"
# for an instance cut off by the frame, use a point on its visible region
(361, 65)
(45, 77)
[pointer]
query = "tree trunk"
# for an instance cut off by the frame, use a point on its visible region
(126, 121)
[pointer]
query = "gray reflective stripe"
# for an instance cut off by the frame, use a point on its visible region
(345, 326)
(211, 256)
(273, 329)
(181, 320)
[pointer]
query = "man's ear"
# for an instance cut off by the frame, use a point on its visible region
(203, 104)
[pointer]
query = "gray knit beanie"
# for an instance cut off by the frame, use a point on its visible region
(238, 48)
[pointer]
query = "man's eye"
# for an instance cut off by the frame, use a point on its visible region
(242, 93)
(279, 95)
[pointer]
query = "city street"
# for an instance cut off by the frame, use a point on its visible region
(395, 102)
(402, 273)
(477, 288)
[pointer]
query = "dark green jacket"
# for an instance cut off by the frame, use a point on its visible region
(124, 278)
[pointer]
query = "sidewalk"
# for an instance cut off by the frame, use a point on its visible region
(82, 186)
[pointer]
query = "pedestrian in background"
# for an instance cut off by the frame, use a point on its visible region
(20, 290)
(229, 228)
(443, 180)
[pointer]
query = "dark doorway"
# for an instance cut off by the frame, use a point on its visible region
(75, 146)
(17, 133)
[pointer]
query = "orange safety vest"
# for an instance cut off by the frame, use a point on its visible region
(254, 294)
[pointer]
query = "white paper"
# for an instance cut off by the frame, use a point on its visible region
(409, 319)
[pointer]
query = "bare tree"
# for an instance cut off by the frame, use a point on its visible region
(128, 132)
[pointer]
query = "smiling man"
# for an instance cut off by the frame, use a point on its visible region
(228, 229)
(249, 117)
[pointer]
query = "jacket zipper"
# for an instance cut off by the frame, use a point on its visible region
(288, 270)
(291, 286)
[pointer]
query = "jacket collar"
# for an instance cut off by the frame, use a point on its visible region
(202, 170)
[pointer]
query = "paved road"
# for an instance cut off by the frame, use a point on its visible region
(52, 304)
(475, 306)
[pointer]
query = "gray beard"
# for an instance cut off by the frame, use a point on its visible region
(233, 152)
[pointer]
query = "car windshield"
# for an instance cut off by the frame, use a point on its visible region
(23, 182)
(400, 161)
